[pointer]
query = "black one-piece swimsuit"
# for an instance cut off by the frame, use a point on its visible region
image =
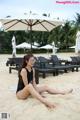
(21, 83)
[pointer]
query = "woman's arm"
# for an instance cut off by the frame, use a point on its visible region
(24, 76)
(34, 82)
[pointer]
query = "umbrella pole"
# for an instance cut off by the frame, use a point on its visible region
(24, 50)
(48, 53)
(31, 35)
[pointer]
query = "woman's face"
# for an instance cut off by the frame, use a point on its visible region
(31, 61)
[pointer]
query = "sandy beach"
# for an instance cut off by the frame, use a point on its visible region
(68, 106)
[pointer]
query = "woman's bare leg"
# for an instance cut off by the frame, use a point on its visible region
(52, 91)
(29, 89)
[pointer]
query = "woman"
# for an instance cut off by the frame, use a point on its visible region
(27, 85)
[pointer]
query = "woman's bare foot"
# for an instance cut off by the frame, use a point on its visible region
(67, 92)
(43, 96)
(49, 104)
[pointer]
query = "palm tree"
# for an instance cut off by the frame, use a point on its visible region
(68, 35)
(77, 22)
(55, 35)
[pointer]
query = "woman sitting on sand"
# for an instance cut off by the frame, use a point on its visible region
(27, 85)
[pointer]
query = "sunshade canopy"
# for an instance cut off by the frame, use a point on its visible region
(48, 46)
(25, 45)
(30, 24)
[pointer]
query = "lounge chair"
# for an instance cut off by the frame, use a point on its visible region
(42, 66)
(78, 60)
(14, 63)
(59, 66)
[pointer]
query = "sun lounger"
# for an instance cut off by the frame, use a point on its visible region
(14, 63)
(49, 66)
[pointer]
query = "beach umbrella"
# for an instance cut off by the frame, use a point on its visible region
(13, 46)
(47, 47)
(25, 45)
(36, 44)
(77, 47)
(72, 47)
(54, 48)
(30, 23)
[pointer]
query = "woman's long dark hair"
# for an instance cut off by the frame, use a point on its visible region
(26, 58)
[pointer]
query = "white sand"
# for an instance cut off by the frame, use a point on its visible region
(68, 107)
